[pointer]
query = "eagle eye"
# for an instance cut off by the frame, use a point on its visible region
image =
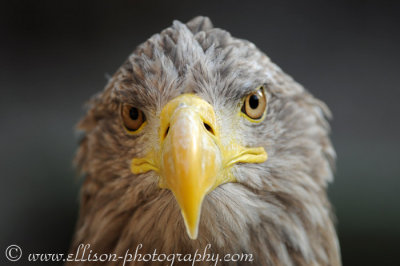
(255, 104)
(132, 117)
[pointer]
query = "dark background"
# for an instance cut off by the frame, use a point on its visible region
(55, 54)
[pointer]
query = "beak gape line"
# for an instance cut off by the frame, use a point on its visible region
(191, 161)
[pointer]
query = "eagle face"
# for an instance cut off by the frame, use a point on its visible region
(200, 139)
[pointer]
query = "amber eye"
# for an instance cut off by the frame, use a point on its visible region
(132, 117)
(255, 104)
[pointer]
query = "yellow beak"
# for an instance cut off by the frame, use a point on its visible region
(191, 160)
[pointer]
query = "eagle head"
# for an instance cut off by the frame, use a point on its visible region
(199, 139)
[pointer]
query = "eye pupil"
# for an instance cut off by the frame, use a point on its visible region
(134, 113)
(254, 101)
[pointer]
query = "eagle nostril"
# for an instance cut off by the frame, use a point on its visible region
(166, 132)
(209, 128)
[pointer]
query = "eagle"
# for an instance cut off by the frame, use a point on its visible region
(200, 142)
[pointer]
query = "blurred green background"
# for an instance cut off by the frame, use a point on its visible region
(54, 55)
